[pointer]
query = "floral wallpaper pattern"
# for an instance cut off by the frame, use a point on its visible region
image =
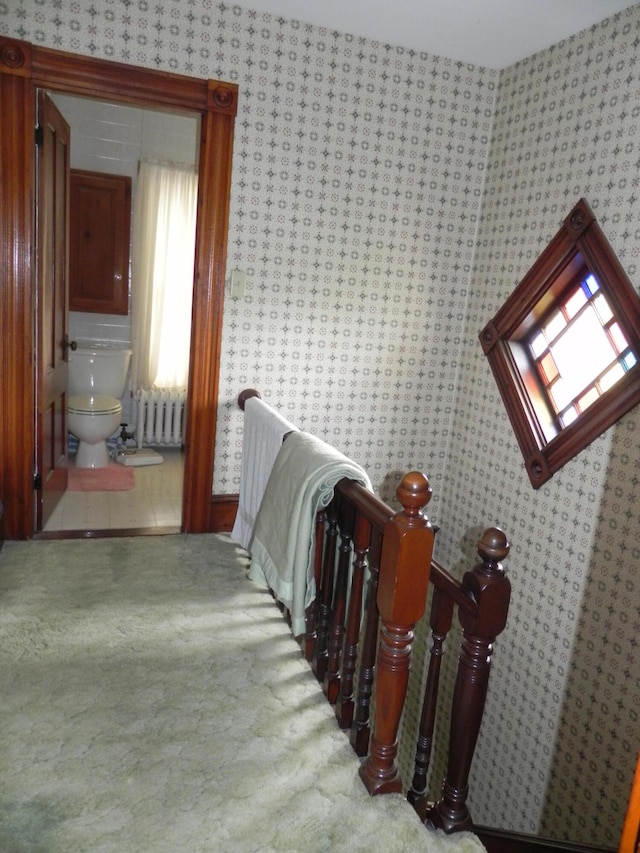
(384, 204)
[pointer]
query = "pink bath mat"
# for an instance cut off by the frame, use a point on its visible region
(114, 478)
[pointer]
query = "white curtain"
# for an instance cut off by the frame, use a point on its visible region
(162, 258)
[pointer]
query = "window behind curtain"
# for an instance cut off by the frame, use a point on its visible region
(162, 260)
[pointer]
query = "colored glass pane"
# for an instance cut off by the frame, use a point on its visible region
(564, 310)
(549, 368)
(591, 284)
(575, 302)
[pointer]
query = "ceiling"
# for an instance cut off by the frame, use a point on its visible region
(491, 33)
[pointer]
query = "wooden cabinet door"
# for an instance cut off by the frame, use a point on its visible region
(99, 242)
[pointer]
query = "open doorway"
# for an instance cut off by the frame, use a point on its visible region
(24, 69)
(112, 139)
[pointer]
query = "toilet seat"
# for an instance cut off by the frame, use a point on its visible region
(94, 404)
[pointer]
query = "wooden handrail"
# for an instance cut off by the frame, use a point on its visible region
(452, 588)
(377, 513)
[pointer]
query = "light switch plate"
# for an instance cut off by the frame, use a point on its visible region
(238, 284)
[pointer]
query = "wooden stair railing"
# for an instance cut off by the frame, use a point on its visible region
(372, 568)
(362, 532)
(372, 634)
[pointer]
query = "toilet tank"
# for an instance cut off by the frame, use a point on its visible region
(98, 369)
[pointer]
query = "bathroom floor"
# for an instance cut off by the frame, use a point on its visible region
(155, 502)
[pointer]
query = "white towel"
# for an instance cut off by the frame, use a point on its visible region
(262, 437)
(282, 545)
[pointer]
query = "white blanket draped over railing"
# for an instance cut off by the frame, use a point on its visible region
(264, 431)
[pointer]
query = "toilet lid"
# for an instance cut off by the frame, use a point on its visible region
(94, 404)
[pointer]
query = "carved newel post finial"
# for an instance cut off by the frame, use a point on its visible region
(493, 547)
(414, 493)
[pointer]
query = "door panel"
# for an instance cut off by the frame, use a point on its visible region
(52, 217)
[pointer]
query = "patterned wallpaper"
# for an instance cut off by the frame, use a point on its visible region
(384, 203)
(569, 684)
(357, 186)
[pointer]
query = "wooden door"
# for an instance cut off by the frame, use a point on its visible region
(52, 242)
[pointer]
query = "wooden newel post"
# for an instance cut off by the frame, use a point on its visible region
(491, 590)
(402, 592)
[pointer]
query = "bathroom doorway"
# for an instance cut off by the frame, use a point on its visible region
(112, 139)
(24, 69)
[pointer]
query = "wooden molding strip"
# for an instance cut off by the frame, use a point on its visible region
(222, 513)
(503, 841)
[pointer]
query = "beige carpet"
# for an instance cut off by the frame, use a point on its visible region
(153, 700)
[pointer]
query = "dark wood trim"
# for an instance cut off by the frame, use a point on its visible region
(17, 291)
(126, 84)
(214, 190)
(23, 69)
(503, 841)
(223, 511)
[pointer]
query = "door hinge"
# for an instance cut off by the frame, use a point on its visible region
(37, 481)
(39, 135)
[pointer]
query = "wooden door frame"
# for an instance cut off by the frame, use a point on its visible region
(24, 68)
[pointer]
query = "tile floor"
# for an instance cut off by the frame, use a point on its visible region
(156, 501)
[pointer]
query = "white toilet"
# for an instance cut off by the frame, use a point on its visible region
(97, 380)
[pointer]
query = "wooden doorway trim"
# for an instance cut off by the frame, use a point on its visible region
(23, 69)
